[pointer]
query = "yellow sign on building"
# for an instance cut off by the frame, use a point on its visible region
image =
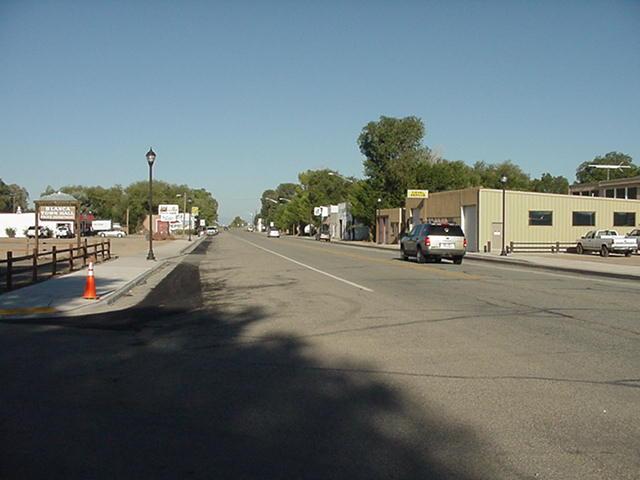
(417, 193)
(195, 211)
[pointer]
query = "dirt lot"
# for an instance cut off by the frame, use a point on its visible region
(119, 246)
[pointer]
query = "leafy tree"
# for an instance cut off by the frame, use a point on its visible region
(238, 223)
(445, 175)
(393, 152)
(12, 196)
(489, 175)
(547, 183)
(587, 174)
(363, 198)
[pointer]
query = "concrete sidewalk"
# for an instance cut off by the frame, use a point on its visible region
(565, 262)
(62, 295)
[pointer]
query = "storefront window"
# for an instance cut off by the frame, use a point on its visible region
(624, 219)
(540, 217)
(584, 219)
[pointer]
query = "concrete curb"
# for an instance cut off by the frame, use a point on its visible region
(511, 261)
(112, 297)
(554, 268)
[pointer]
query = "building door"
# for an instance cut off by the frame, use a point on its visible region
(470, 226)
(496, 236)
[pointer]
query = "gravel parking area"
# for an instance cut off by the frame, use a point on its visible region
(119, 246)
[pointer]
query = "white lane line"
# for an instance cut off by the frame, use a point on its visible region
(307, 266)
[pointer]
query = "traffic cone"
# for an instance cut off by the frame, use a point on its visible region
(90, 288)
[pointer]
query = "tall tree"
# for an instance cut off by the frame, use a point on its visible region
(587, 174)
(489, 175)
(393, 152)
(238, 223)
(12, 196)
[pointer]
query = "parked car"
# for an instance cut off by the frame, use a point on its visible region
(211, 231)
(323, 233)
(250, 228)
(435, 241)
(273, 232)
(43, 232)
(62, 231)
(113, 233)
(605, 242)
(635, 234)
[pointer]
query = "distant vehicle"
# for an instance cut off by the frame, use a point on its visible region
(435, 241)
(62, 231)
(605, 242)
(43, 232)
(273, 232)
(250, 228)
(112, 233)
(635, 234)
(211, 231)
(102, 225)
(323, 233)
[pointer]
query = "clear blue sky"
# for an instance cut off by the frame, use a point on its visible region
(238, 96)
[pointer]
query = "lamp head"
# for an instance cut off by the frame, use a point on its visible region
(151, 156)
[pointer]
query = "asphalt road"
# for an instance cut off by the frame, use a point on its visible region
(287, 358)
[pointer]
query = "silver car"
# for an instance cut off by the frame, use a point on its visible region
(434, 241)
(635, 234)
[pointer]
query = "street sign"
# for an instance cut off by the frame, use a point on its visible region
(195, 211)
(417, 193)
(168, 212)
(53, 212)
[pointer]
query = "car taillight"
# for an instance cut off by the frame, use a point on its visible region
(427, 242)
(465, 243)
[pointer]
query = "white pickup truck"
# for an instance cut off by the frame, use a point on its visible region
(605, 242)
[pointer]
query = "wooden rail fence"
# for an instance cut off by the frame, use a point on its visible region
(25, 269)
(535, 247)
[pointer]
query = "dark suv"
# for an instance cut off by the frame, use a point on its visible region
(436, 241)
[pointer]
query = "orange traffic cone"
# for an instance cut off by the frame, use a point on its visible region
(90, 288)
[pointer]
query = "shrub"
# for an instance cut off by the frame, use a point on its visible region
(11, 232)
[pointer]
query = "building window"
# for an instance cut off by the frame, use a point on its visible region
(540, 217)
(575, 193)
(595, 193)
(632, 193)
(620, 193)
(609, 193)
(624, 219)
(584, 219)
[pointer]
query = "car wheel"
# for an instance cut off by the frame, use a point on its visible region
(420, 256)
(403, 255)
(580, 249)
(604, 251)
(457, 260)
(627, 253)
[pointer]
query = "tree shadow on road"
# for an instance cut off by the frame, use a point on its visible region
(180, 390)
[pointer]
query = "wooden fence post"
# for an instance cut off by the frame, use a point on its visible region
(71, 257)
(9, 270)
(557, 247)
(34, 268)
(102, 249)
(109, 249)
(511, 247)
(84, 253)
(54, 260)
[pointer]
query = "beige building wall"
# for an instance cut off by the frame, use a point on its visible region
(518, 205)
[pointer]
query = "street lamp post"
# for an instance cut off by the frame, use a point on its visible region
(189, 222)
(503, 181)
(151, 157)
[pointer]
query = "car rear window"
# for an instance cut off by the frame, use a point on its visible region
(449, 230)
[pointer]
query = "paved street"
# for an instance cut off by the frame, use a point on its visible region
(289, 358)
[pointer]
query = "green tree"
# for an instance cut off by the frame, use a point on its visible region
(445, 175)
(12, 196)
(587, 174)
(547, 183)
(238, 223)
(489, 175)
(393, 152)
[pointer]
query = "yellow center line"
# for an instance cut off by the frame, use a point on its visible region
(27, 310)
(396, 263)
